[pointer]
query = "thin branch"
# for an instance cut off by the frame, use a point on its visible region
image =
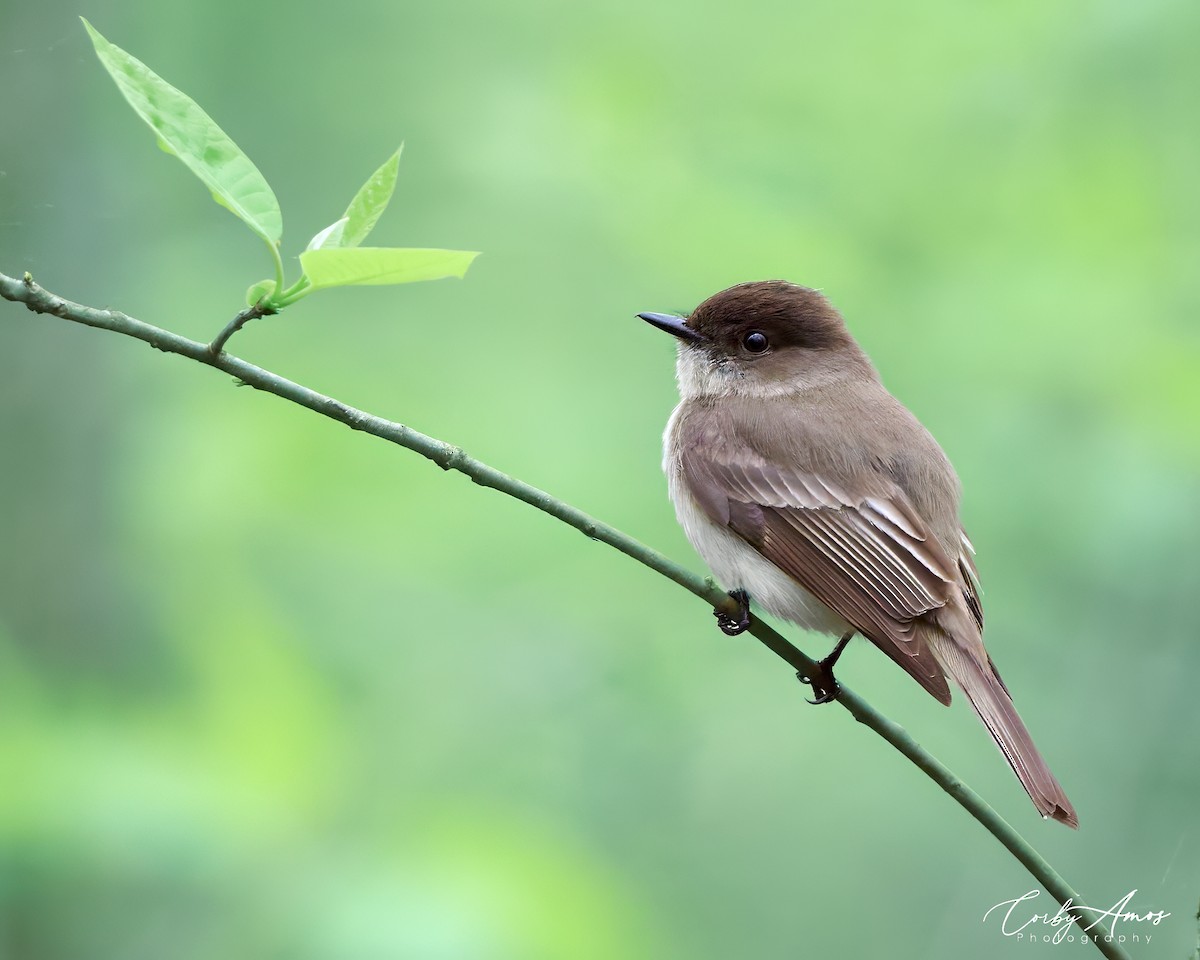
(236, 324)
(450, 457)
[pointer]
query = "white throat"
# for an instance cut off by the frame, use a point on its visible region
(701, 375)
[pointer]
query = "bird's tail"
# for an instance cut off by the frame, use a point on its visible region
(990, 700)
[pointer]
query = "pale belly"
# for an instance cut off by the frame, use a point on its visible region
(738, 566)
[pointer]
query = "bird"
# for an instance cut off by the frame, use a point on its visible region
(811, 490)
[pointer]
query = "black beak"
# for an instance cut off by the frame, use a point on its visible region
(676, 326)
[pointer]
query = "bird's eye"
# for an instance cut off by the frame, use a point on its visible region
(755, 342)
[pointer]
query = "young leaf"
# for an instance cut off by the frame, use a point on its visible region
(375, 265)
(370, 202)
(185, 130)
(331, 236)
(264, 288)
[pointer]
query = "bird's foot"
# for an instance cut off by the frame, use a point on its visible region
(732, 624)
(822, 680)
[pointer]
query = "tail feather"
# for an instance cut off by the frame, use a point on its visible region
(990, 700)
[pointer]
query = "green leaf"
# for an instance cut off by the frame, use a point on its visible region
(186, 131)
(264, 288)
(370, 202)
(331, 236)
(376, 265)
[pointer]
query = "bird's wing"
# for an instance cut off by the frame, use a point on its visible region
(869, 558)
(970, 579)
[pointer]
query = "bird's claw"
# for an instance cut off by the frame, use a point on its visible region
(733, 624)
(823, 683)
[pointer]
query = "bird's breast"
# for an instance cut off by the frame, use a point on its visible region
(734, 563)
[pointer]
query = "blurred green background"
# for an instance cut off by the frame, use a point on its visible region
(272, 689)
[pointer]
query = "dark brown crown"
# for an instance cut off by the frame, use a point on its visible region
(789, 315)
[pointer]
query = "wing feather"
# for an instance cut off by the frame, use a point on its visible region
(868, 558)
(970, 578)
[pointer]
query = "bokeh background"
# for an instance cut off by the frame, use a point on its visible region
(272, 689)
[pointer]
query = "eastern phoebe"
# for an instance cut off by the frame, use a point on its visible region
(807, 486)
